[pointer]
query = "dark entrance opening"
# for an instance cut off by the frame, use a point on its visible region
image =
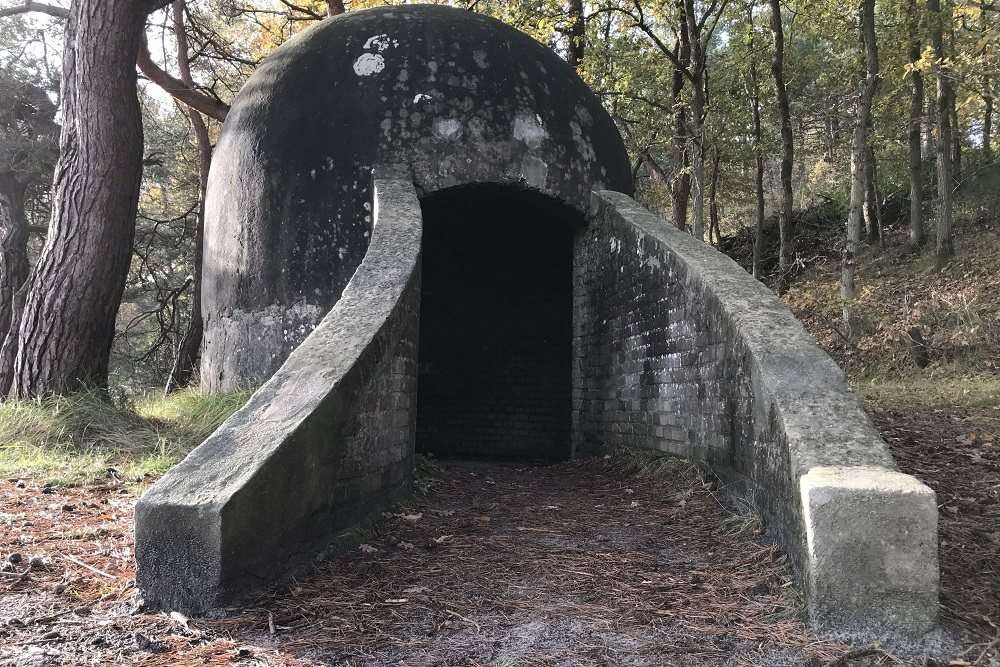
(495, 325)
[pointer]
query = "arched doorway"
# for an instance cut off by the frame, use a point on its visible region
(495, 325)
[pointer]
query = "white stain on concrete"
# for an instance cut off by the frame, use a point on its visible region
(447, 128)
(368, 64)
(421, 97)
(480, 58)
(528, 127)
(380, 42)
(535, 171)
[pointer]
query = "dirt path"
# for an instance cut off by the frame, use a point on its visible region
(581, 563)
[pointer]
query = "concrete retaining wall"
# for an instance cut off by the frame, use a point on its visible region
(326, 441)
(678, 349)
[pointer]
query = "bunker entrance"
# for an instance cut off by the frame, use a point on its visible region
(495, 325)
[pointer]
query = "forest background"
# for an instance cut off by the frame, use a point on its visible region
(791, 134)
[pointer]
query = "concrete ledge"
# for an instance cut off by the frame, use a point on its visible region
(326, 441)
(710, 364)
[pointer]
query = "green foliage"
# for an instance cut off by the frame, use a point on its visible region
(88, 435)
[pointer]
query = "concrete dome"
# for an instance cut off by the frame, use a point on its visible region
(453, 96)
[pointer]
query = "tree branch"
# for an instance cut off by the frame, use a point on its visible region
(31, 6)
(179, 90)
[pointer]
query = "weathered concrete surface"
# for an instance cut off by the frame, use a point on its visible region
(870, 536)
(677, 349)
(328, 439)
(458, 97)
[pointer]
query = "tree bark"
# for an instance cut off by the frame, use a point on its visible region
(915, 120)
(334, 7)
(577, 34)
(758, 239)
(680, 190)
(872, 224)
(75, 289)
(956, 137)
(697, 70)
(945, 99)
(786, 224)
(29, 6)
(987, 93)
(758, 154)
(859, 148)
(190, 346)
(714, 229)
(13, 247)
(177, 88)
(987, 120)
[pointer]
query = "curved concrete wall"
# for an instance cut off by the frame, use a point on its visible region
(327, 440)
(678, 349)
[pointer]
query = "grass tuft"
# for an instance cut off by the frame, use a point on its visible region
(76, 439)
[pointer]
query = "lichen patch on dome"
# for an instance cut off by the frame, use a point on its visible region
(368, 64)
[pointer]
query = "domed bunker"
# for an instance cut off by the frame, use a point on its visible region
(419, 235)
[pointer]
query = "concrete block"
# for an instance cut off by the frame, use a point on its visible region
(871, 560)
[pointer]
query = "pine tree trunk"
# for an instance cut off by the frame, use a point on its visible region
(945, 179)
(75, 289)
(786, 224)
(13, 247)
(915, 120)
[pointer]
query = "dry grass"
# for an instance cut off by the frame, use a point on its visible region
(89, 435)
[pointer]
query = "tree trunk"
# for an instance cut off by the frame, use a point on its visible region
(577, 34)
(13, 246)
(714, 228)
(859, 160)
(758, 239)
(754, 94)
(987, 92)
(680, 190)
(786, 224)
(945, 180)
(871, 198)
(987, 120)
(334, 7)
(13, 272)
(75, 289)
(916, 117)
(930, 124)
(956, 137)
(698, 111)
(190, 347)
